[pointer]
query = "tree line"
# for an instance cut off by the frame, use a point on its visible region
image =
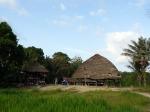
(14, 56)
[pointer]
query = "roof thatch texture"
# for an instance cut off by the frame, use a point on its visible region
(34, 67)
(97, 67)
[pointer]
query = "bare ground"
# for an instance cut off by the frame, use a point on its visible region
(91, 88)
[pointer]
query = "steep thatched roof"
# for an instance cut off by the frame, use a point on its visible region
(97, 67)
(34, 67)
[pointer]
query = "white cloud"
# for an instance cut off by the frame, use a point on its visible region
(9, 3)
(2, 18)
(63, 7)
(117, 41)
(99, 12)
(14, 5)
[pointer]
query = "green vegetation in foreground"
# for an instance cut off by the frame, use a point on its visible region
(59, 101)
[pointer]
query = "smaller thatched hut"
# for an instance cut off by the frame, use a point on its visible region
(97, 70)
(34, 74)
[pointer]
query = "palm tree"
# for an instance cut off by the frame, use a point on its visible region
(139, 55)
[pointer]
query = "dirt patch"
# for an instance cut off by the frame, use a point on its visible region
(144, 94)
(83, 88)
(90, 88)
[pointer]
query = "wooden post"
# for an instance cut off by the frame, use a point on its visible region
(96, 83)
(84, 79)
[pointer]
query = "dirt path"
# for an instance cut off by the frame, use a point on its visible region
(83, 88)
(144, 94)
(91, 88)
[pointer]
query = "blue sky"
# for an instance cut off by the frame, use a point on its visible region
(79, 27)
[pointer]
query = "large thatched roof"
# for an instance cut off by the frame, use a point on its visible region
(34, 67)
(97, 67)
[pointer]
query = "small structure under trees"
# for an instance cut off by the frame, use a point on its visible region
(97, 71)
(34, 74)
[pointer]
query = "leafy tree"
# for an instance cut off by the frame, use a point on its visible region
(50, 67)
(60, 65)
(59, 56)
(139, 55)
(75, 63)
(33, 54)
(61, 62)
(11, 55)
(128, 79)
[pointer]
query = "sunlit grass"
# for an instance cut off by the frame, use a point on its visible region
(60, 101)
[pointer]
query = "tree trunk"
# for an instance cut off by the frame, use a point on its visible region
(139, 79)
(144, 79)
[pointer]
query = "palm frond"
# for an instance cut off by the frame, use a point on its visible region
(131, 67)
(135, 43)
(128, 52)
(133, 48)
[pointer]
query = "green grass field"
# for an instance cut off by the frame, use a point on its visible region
(12, 100)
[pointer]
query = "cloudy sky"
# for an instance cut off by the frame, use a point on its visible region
(79, 27)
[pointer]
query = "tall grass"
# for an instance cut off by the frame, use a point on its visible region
(59, 101)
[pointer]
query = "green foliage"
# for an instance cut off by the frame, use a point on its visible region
(60, 65)
(60, 56)
(75, 63)
(48, 63)
(11, 55)
(34, 54)
(7, 33)
(130, 79)
(139, 53)
(59, 101)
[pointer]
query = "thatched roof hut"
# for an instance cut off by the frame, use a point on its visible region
(34, 67)
(98, 68)
(34, 74)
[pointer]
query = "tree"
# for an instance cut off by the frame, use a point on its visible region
(61, 57)
(11, 55)
(139, 55)
(75, 63)
(33, 54)
(50, 67)
(61, 62)
(60, 65)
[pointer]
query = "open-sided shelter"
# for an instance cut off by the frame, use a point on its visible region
(34, 74)
(97, 70)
